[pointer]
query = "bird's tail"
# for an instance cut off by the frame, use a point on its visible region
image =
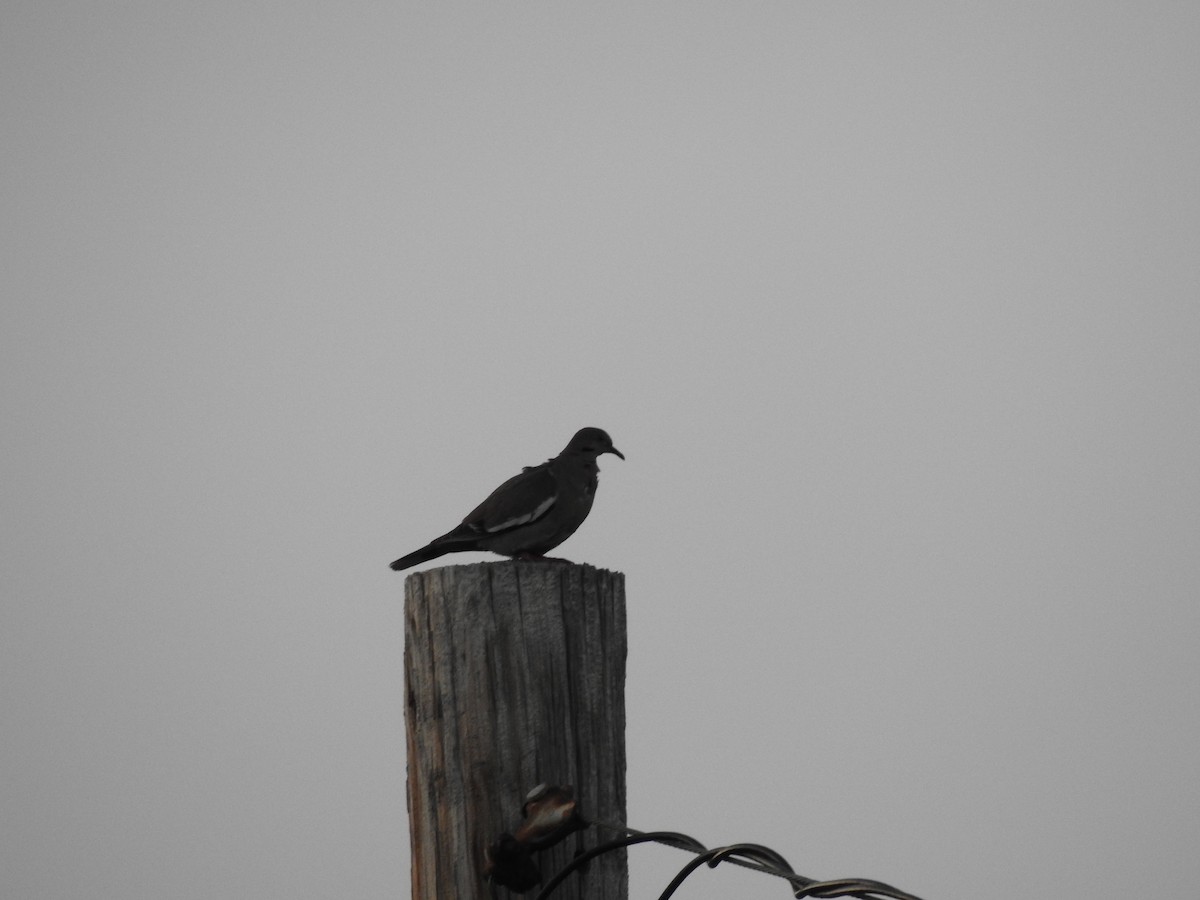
(419, 556)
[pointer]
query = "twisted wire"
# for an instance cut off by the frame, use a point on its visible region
(749, 856)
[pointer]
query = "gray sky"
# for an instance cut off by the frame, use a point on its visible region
(894, 309)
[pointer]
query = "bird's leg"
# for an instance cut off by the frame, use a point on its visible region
(537, 557)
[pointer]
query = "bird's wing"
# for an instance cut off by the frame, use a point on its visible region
(522, 499)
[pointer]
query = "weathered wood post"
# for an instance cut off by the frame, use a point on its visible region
(514, 676)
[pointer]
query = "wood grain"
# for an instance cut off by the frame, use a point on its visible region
(514, 676)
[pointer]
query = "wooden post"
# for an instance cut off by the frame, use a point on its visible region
(514, 676)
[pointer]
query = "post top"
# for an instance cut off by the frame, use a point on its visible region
(523, 565)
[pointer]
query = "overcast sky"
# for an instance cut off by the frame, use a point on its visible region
(893, 308)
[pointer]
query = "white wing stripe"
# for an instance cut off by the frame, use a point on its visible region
(525, 519)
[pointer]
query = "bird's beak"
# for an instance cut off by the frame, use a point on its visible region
(615, 452)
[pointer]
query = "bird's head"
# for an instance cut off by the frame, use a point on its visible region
(592, 442)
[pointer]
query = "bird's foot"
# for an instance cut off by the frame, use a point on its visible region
(537, 557)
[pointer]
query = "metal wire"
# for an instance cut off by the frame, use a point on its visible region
(670, 838)
(750, 856)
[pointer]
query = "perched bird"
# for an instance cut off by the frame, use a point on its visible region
(531, 513)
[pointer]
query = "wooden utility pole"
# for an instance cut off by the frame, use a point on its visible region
(514, 676)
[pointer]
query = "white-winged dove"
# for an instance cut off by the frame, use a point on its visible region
(531, 513)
